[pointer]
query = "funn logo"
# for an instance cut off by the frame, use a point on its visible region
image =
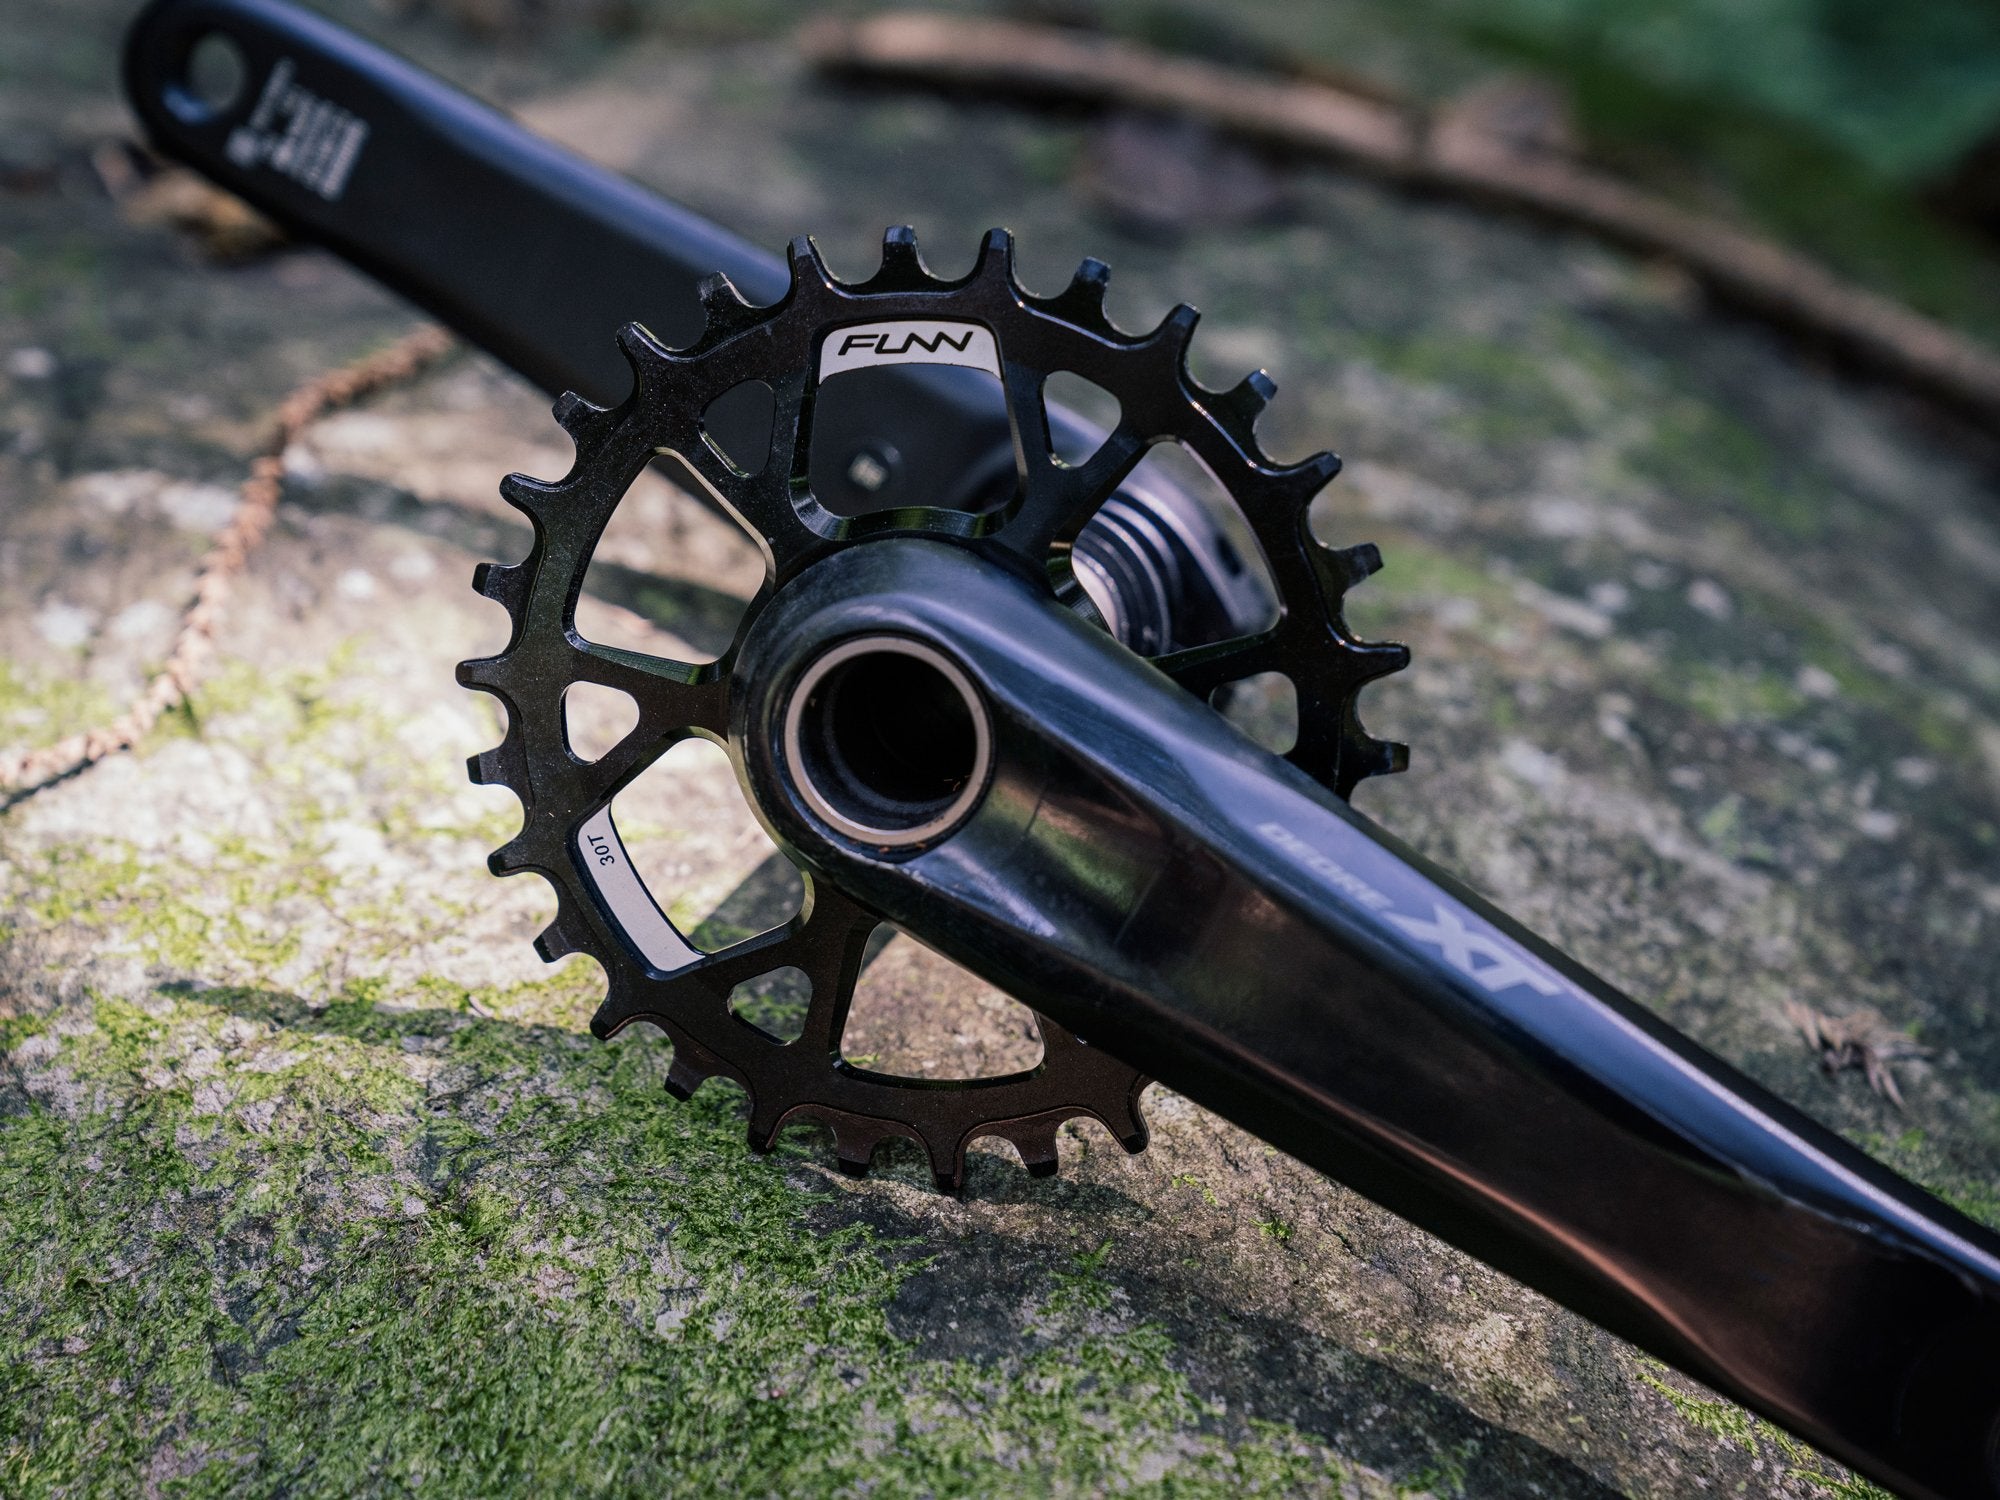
(911, 340)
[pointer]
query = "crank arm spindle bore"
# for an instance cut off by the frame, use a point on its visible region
(1116, 855)
(538, 256)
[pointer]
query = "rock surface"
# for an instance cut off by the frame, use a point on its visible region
(311, 1179)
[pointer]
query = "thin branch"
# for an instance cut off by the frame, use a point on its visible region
(194, 644)
(1402, 146)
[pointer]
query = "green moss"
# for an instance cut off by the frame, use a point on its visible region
(39, 708)
(1512, 392)
(544, 1279)
(1418, 571)
(1737, 694)
(1446, 1477)
(234, 908)
(1694, 450)
(1732, 1424)
(1048, 157)
(1722, 1419)
(1921, 1158)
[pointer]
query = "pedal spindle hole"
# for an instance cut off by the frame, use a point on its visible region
(211, 82)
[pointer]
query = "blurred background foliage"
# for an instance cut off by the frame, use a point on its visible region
(1868, 132)
(1865, 132)
(1907, 91)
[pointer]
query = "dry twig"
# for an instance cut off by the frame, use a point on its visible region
(194, 644)
(149, 191)
(1452, 154)
(1862, 1039)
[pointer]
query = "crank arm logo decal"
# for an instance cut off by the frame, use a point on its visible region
(1482, 953)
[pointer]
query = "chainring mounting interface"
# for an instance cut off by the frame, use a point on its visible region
(850, 771)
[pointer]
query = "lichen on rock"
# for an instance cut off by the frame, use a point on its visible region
(311, 1180)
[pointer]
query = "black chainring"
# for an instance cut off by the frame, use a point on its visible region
(654, 974)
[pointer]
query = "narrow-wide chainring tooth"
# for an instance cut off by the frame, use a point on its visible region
(529, 495)
(1375, 659)
(996, 261)
(1034, 1140)
(1301, 482)
(506, 764)
(855, 1138)
(584, 421)
(1238, 409)
(1082, 301)
(902, 269)
(767, 1119)
(662, 411)
(1167, 345)
(809, 271)
(947, 1163)
(566, 934)
(726, 313)
(483, 673)
(1385, 758)
(1351, 565)
(511, 858)
(1128, 1124)
(684, 1075)
(506, 584)
(652, 364)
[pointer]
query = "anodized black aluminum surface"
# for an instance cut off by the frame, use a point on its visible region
(1168, 890)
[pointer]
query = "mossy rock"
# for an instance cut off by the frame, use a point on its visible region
(313, 1180)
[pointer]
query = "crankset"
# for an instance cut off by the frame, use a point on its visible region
(972, 700)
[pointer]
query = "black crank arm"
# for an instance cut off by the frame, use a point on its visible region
(1142, 873)
(538, 256)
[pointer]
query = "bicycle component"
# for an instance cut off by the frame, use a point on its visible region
(349, 146)
(902, 312)
(1123, 862)
(1145, 875)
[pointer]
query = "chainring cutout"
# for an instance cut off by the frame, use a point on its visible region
(603, 907)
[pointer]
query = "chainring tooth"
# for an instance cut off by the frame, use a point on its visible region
(1175, 333)
(1035, 1142)
(902, 268)
(805, 1079)
(566, 934)
(1303, 480)
(504, 765)
(584, 421)
(996, 261)
(1351, 565)
(504, 583)
(684, 1076)
(1082, 301)
(1241, 405)
(507, 859)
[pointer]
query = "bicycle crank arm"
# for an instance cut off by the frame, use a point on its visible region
(925, 733)
(537, 256)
